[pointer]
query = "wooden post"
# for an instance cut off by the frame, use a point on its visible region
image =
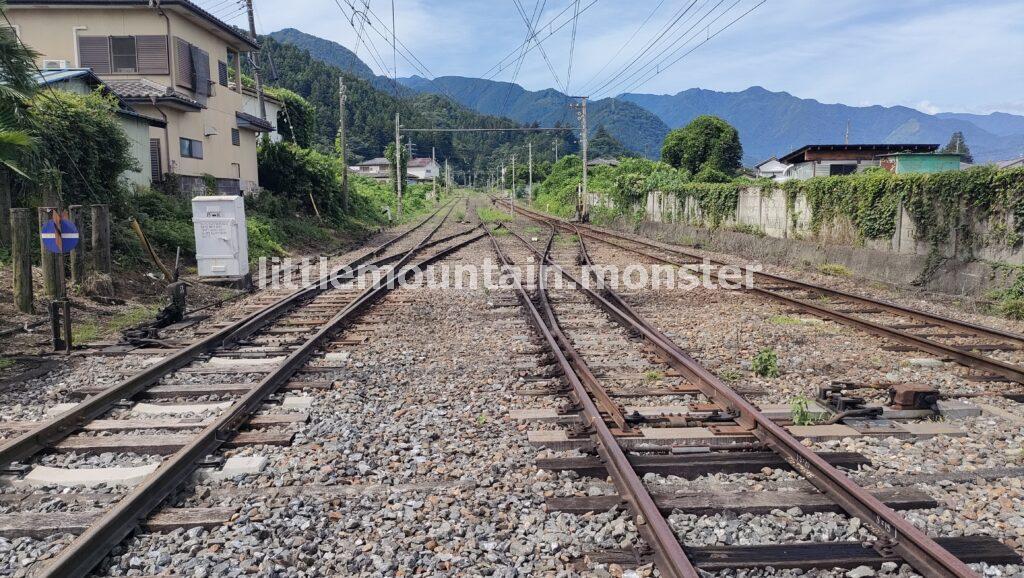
(49, 263)
(21, 257)
(77, 214)
(5, 208)
(101, 238)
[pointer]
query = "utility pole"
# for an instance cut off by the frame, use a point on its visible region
(433, 160)
(343, 145)
(512, 192)
(583, 150)
(529, 196)
(556, 151)
(255, 56)
(398, 161)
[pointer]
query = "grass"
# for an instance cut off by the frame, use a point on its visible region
(653, 375)
(6, 363)
(533, 229)
(785, 320)
(748, 230)
(730, 375)
(834, 270)
(799, 412)
(91, 331)
(492, 215)
(766, 363)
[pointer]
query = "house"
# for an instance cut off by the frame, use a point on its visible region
(603, 162)
(844, 159)
(136, 126)
(905, 163)
(423, 169)
(771, 169)
(170, 60)
(378, 168)
(251, 105)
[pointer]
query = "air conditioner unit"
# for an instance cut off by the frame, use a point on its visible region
(54, 64)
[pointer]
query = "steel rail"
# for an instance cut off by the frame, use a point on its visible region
(966, 358)
(668, 552)
(894, 532)
(604, 401)
(87, 550)
(60, 426)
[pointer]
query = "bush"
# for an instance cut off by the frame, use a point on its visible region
(80, 146)
(766, 363)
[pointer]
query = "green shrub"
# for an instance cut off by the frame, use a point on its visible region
(766, 363)
(799, 411)
(834, 270)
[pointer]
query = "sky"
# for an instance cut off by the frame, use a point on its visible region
(933, 55)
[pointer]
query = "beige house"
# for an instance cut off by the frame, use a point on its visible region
(168, 59)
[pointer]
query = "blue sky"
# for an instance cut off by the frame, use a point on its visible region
(929, 54)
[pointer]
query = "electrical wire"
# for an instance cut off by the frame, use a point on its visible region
(502, 65)
(623, 47)
(572, 44)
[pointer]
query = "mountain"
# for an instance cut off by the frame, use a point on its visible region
(636, 128)
(998, 123)
(775, 123)
(371, 116)
(338, 56)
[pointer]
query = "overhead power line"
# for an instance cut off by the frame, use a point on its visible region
(552, 30)
(572, 43)
(623, 47)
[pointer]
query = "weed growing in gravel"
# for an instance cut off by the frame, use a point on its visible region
(766, 363)
(730, 375)
(834, 270)
(799, 412)
(653, 375)
(460, 216)
(84, 333)
(785, 320)
(5, 363)
(491, 215)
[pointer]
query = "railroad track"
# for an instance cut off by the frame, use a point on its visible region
(992, 352)
(608, 430)
(253, 364)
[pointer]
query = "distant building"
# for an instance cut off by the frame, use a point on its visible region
(772, 169)
(844, 159)
(378, 168)
(603, 162)
(423, 169)
(251, 106)
(905, 163)
(135, 126)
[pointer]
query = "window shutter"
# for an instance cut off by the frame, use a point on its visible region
(94, 53)
(155, 159)
(236, 137)
(201, 68)
(151, 54)
(183, 69)
(222, 73)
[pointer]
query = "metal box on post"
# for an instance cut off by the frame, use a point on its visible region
(222, 243)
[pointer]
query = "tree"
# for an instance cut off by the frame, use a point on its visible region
(17, 84)
(603, 144)
(296, 121)
(389, 153)
(958, 145)
(706, 141)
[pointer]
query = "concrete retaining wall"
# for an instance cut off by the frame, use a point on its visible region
(783, 235)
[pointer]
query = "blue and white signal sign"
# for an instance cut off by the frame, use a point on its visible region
(59, 235)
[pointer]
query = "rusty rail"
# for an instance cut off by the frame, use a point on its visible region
(894, 532)
(88, 549)
(669, 554)
(1009, 371)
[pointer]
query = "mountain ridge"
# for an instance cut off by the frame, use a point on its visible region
(770, 123)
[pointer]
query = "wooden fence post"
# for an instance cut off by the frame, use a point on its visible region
(5, 208)
(77, 215)
(101, 238)
(50, 264)
(21, 257)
